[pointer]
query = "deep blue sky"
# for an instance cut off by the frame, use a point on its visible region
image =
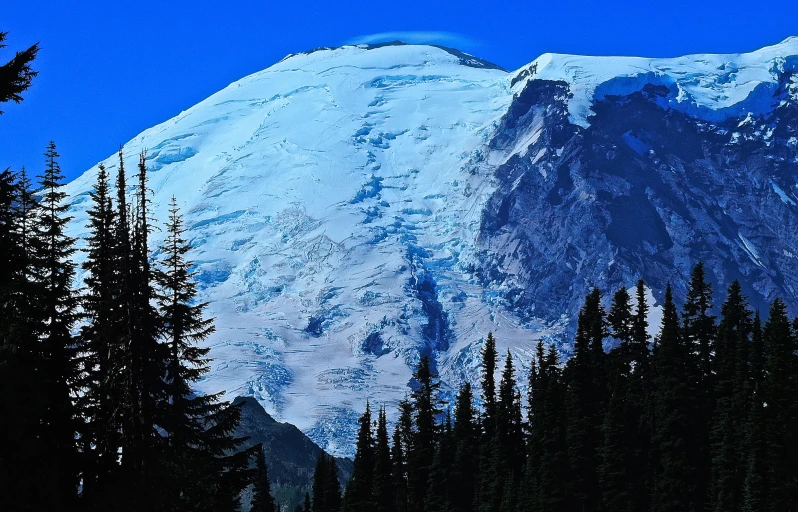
(108, 73)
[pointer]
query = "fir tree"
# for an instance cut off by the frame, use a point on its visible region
(24, 460)
(359, 495)
(307, 507)
(332, 491)
(262, 500)
(383, 482)
(728, 388)
(489, 357)
(465, 441)
(554, 467)
(780, 396)
(16, 75)
(585, 402)
(674, 480)
(425, 409)
(99, 435)
(320, 484)
(199, 427)
(402, 444)
(58, 309)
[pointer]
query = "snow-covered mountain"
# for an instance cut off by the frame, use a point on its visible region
(353, 208)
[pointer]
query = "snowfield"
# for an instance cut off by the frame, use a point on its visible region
(334, 201)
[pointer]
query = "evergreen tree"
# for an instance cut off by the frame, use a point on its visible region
(320, 484)
(698, 328)
(359, 495)
(465, 441)
(439, 496)
(99, 434)
(262, 500)
(781, 398)
(755, 444)
(383, 481)
(199, 427)
(16, 75)
(728, 388)
(58, 310)
(675, 472)
(307, 506)
(425, 409)
(586, 400)
(332, 491)
(489, 357)
(402, 443)
(554, 467)
(24, 460)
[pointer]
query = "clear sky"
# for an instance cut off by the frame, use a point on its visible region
(107, 73)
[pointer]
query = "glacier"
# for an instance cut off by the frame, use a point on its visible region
(352, 209)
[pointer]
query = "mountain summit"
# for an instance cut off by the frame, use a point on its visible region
(354, 208)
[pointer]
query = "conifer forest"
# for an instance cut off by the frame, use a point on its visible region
(99, 411)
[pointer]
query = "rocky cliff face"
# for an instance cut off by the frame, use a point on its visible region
(355, 208)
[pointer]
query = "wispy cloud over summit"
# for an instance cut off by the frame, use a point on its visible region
(416, 37)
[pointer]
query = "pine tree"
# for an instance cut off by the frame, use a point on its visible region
(698, 328)
(383, 481)
(617, 453)
(58, 310)
(99, 434)
(400, 449)
(675, 479)
(320, 484)
(489, 357)
(465, 441)
(781, 398)
(425, 410)
(16, 75)
(586, 400)
(24, 460)
(307, 506)
(728, 388)
(554, 469)
(755, 445)
(262, 500)
(332, 491)
(199, 427)
(359, 495)
(439, 492)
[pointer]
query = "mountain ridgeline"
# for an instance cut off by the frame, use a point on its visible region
(353, 209)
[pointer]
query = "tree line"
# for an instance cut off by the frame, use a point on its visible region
(704, 416)
(98, 409)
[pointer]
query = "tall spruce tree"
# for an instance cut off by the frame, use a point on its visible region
(24, 457)
(698, 328)
(553, 472)
(781, 410)
(727, 387)
(359, 494)
(675, 473)
(586, 400)
(383, 482)
(465, 441)
(207, 468)
(58, 310)
(262, 499)
(489, 357)
(425, 403)
(400, 452)
(99, 435)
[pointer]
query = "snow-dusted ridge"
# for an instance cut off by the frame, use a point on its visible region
(336, 201)
(711, 86)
